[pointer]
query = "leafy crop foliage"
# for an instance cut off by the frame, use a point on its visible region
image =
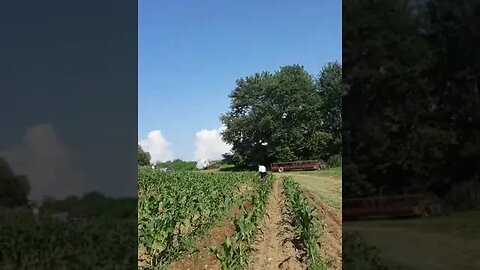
(247, 224)
(304, 221)
(235, 256)
(232, 258)
(47, 243)
(175, 208)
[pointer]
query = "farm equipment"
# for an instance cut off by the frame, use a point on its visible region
(213, 166)
(411, 205)
(206, 165)
(298, 165)
(202, 164)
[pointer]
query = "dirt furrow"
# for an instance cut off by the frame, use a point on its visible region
(203, 258)
(331, 237)
(275, 246)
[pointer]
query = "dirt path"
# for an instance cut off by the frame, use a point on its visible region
(331, 237)
(274, 246)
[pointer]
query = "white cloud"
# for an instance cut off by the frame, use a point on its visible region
(209, 144)
(47, 163)
(158, 147)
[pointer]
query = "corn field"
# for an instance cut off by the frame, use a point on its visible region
(27, 243)
(177, 211)
(175, 208)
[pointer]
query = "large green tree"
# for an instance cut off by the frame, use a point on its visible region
(384, 58)
(411, 105)
(14, 189)
(329, 87)
(452, 31)
(276, 117)
(143, 157)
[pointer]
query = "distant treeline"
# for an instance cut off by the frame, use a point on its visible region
(92, 204)
(15, 189)
(177, 165)
(144, 159)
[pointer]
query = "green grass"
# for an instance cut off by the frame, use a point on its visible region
(461, 224)
(326, 184)
(331, 172)
(447, 242)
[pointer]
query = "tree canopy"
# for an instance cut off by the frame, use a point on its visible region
(143, 157)
(285, 115)
(14, 189)
(411, 105)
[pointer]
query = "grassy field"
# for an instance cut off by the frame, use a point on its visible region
(326, 184)
(448, 242)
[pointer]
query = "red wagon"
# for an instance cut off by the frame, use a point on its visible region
(297, 165)
(407, 205)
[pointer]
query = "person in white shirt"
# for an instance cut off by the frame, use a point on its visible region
(262, 171)
(34, 209)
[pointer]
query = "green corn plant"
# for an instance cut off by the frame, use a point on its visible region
(244, 226)
(230, 258)
(174, 209)
(304, 221)
(51, 244)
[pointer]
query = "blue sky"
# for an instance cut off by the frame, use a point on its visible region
(191, 53)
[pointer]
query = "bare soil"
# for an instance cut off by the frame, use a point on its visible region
(245, 188)
(275, 246)
(203, 258)
(331, 236)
